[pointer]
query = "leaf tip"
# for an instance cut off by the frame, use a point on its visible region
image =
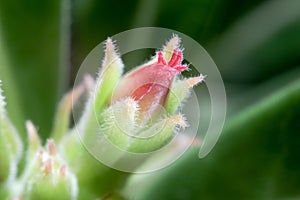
(111, 54)
(179, 120)
(34, 140)
(191, 82)
(172, 44)
(48, 167)
(88, 82)
(51, 147)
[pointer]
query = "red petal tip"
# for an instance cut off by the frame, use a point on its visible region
(51, 147)
(175, 61)
(181, 68)
(176, 58)
(160, 58)
(48, 166)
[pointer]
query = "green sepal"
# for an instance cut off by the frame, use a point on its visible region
(119, 122)
(180, 90)
(108, 78)
(157, 135)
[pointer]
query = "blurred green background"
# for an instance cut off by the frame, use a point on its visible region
(255, 44)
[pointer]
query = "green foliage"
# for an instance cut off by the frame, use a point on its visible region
(10, 145)
(256, 47)
(256, 158)
(34, 50)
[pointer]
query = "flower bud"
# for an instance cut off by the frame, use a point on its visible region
(47, 176)
(149, 85)
(135, 120)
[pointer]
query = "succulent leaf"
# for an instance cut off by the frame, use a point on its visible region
(62, 118)
(10, 145)
(34, 140)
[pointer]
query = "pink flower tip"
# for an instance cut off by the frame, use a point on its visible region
(51, 147)
(174, 62)
(48, 166)
(150, 84)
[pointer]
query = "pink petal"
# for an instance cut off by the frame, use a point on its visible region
(150, 84)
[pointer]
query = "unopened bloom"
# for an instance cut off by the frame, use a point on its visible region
(51, 177)
(47, 175)
(150, 84)
(138, 112)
